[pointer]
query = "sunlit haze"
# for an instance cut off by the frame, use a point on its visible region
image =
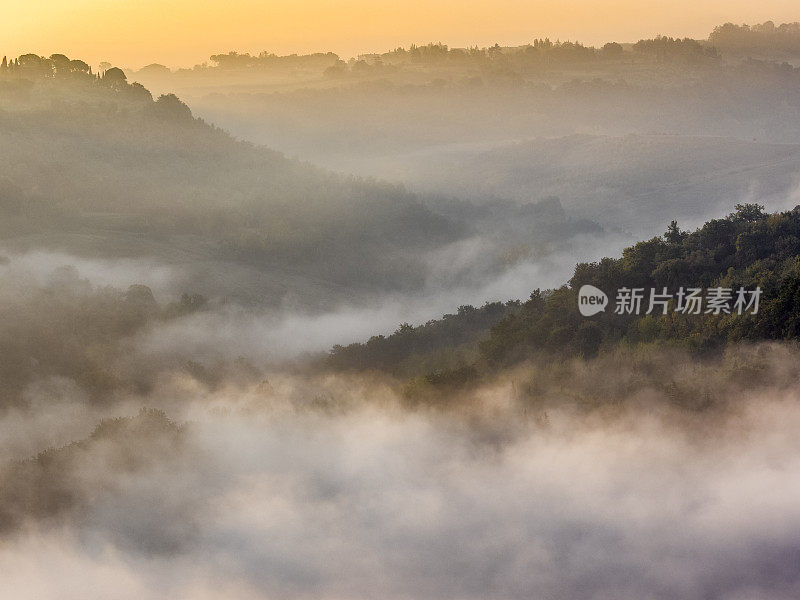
(186, 32)
(429, 299)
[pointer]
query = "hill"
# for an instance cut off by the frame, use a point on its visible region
(94, 165)
(749, 249)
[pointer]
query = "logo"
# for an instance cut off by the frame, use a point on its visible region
(591, 300)
(687, 301)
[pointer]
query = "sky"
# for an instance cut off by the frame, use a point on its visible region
(186, 32)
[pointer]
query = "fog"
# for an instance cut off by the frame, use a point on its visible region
(628, 135)
(457, 274)
(137, 190)
(261, 494)
(505, 166)
(304, 329)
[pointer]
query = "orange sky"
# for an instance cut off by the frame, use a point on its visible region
(185, 32)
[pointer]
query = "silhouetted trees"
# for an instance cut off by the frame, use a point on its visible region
(55, 67)
(757, 38)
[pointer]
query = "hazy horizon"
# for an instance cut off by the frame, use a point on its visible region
(290, 327)
(180, 33)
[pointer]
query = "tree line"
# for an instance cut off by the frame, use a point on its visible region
(748, 249)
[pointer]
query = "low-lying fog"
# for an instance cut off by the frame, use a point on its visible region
(270, 492)
(457, 274)
(256, 483)
(169, 428)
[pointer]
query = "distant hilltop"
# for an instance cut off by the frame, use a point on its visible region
(765, 40)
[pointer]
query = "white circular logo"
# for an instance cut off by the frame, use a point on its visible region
(591, 300)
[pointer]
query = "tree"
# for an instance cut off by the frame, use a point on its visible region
(612, 50)
(748, 212)
(136, 91)
(115, 79)
(155, 69)
(114, 74)
(169, 106)
(673, 234)
(78, 66)
(35, 65)
(61, 64)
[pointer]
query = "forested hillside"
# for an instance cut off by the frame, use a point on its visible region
(748, 249)
(367, 113)
(93, 165)
(628, 135)
(88, 156)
